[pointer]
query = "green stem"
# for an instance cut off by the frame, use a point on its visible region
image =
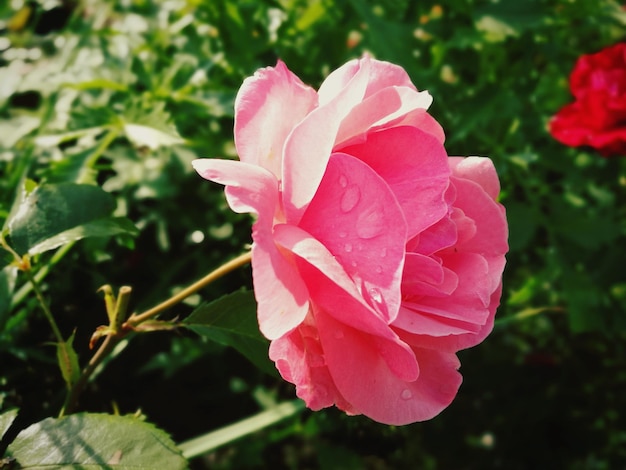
(44, 306)
(524, 314)
(241, 260)
(211, 441)
(112, 340)
(104, 144)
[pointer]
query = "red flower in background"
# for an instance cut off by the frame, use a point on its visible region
(597, 118)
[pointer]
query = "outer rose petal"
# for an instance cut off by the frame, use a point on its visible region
(491, 227)
(250, 188)
(310, 144)
(281, 295)
(387, 106)
(381, 75)
(479, 170)
(268, 106)
(364, 379)
(300, 360)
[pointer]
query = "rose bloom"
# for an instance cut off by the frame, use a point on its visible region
(597, 117)
(375, 256)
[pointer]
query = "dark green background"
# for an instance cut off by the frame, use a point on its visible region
(544, 392)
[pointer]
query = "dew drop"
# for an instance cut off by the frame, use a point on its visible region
(343, 181)
(348, 247)
(359, 246)
(370, 223)
(379, 269)
(376, 295)
(350, 198)
(406, 394)
(383, 253)
(338, 334)
(343, 234)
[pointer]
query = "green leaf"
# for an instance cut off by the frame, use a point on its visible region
(58, 139)
(146, 136)
(11, 131)
(68, 361)
(231, 321)
(6, 419)
(151, 127)
(98, 228)
(89, 441)
(50, 210)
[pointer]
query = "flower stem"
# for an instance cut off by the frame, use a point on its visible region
(44, 306)
(112, 340)
(241, 260)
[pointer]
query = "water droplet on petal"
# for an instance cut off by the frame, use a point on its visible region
(343, 181)
(350, 198)
(359, 246)
(370, 222)
(406, 394)
(348, 247)
(383, 252)
(375, 295)
(379, 269)
(343, 234)
(338, 334)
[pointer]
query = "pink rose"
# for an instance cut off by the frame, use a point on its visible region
(597, 117)
(375, 257)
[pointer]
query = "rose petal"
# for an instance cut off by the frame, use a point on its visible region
(364, 378)
(388, 105)
(413, 320)
(479, 170)
(380, 75)
(250, 188)
(415, 166)
(323, 269)
(281, 295)
(309, 146)
(489, 217)
(268, 106)
(356, 217)
(300, 360)
(454, 342)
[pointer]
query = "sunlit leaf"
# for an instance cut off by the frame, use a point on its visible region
(6, 419)
(50, 210)
(151, 127)
(106, 227)
(84, 440)
(57, 139)
(11, 131)
(145, 136)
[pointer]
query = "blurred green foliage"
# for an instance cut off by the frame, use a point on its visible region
(123, 95)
